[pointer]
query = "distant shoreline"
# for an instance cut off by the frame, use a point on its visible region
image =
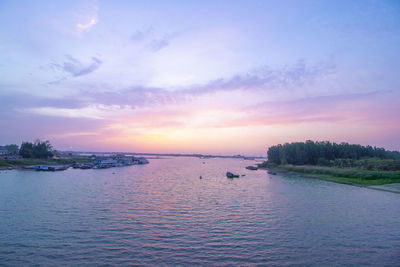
(165, 155)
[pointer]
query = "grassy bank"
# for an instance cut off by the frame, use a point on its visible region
(344, 175)
(29, 162)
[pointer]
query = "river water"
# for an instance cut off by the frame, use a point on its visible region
(163, 214)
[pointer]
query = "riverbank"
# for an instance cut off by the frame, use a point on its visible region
(380, 185)
(7, 164)
(351, 176)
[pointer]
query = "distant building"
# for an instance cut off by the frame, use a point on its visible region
(105, 161)
(3, 151)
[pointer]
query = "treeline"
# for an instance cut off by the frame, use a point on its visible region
(326, 153)
(38, 149)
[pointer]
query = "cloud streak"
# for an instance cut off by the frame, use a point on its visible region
(265, 78)
(141, 35)
(88, 17)
(152, 42)
(87, 26)
(76, 68)
(139, 97)
(158, 44)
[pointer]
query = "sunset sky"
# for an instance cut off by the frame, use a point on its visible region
(220, 77)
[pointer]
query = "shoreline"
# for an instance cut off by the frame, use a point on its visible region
(27, 164)
(323, 177)
(61, 164)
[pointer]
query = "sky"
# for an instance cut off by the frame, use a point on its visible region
(218, 77)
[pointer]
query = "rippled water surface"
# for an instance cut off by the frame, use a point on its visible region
(163, 214)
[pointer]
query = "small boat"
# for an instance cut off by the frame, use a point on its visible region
(42, 168)
(252, 168)
(58, 168)
(76, 165)
(271, 172)
(50, 168)
(231, 175)
(86, 166)
(28, 167)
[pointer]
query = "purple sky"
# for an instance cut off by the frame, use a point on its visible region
(221, 77)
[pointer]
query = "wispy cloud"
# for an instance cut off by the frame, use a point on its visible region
(99, 104)
(152, 42)
(12, 100)
(88, 17)
(141, 35)
(91, 111)
(265, 78)
(158, 44)
(344, 108)
(87, 112)
(87, 26)
(77, 68)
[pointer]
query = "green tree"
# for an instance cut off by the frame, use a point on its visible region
(273, 155)
(42, 149)
(26, 150)
(327, 153)
(38, 149)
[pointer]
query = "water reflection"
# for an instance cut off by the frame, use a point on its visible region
(162, 213)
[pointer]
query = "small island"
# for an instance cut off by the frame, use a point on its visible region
(343, 163)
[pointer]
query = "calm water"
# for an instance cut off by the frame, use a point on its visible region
(163, 214)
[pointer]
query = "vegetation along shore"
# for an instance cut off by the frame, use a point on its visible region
(36, 153)
(42, 157)
(344, 163)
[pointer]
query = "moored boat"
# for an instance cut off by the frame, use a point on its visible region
(51, 167)
(252, 168)
(231, 175)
